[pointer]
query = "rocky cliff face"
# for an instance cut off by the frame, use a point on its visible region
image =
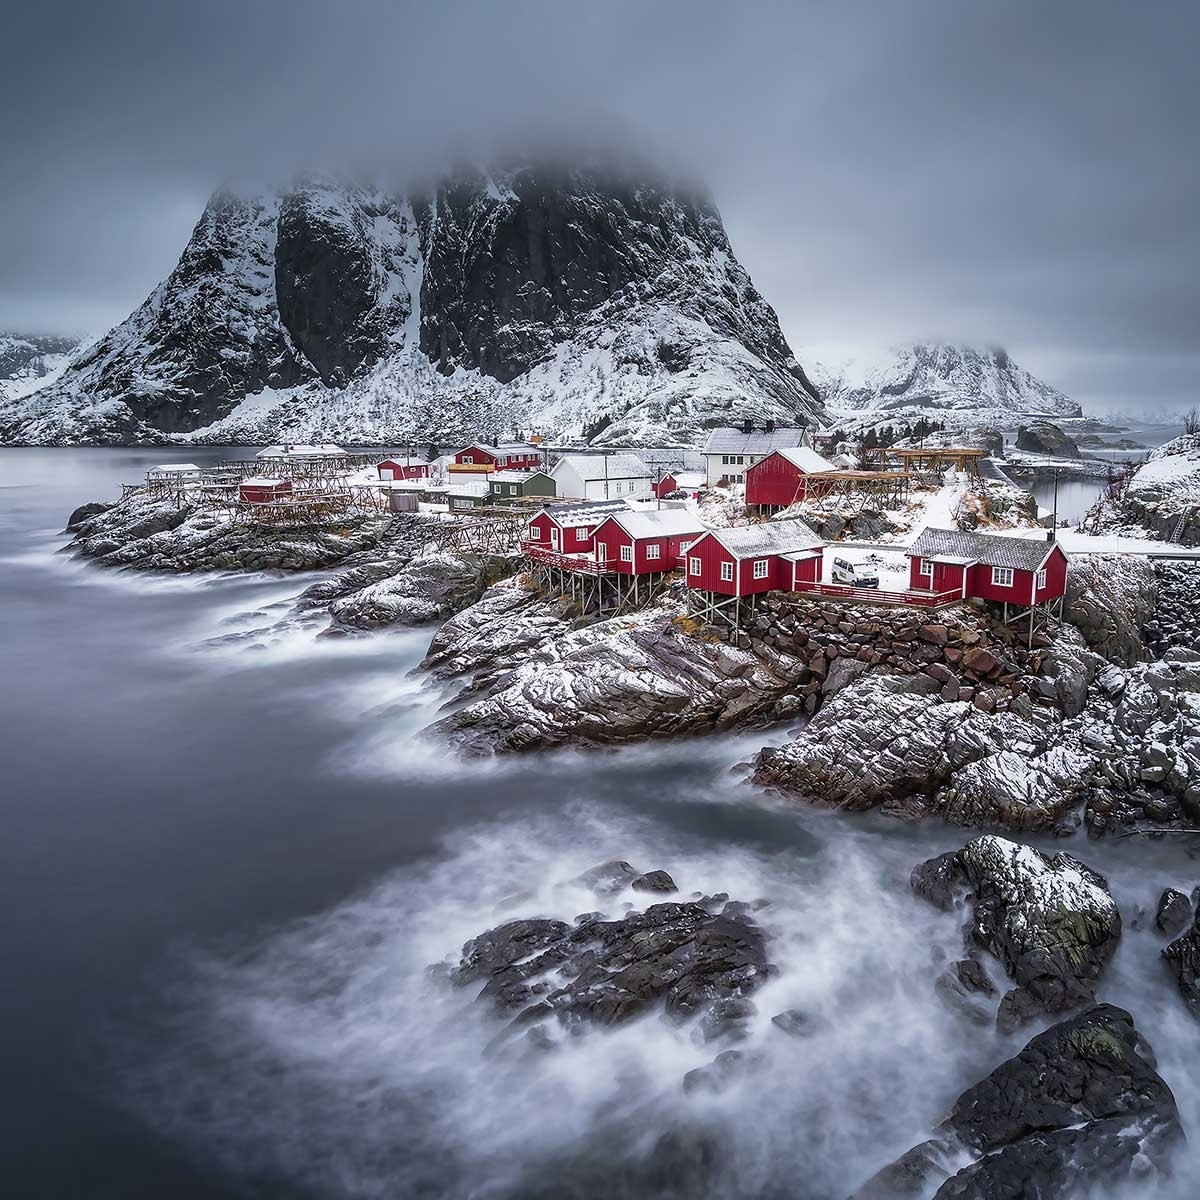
(29, 360)
(578, 302)
(955, 385)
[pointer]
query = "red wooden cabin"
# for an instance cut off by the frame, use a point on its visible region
(646, 541)
(987, 566)
(262, 490)
(483, 459)
(390, 469)
(665, 486)
(782, 478)
(568, 528)
(750, 559)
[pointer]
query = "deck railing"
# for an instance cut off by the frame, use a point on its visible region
(879, 596)
(564, 562)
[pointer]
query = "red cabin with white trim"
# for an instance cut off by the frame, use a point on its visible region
(390, 470)
(782, 478)
(483, 459)
(751, 559)
(568, 528)
(987, 566)
(647, 541)
(664, 486)
(262, 490)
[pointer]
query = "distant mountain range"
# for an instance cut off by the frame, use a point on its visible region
(29, 361)
(582, 303)
(954, 385)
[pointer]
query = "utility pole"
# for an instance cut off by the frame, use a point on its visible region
(1054, 522)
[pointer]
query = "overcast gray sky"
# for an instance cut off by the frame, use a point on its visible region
(1016, 173)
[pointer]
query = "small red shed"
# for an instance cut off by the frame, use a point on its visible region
(568, 528)
(988, 566)
(749, 559)
(665, 486)
(781, 478)
(391, 469)
(261, 490)
(647, 541)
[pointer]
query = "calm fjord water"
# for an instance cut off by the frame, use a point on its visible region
(225, 862)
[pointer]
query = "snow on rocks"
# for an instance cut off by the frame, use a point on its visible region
(1050, 920)
(1080, 1110)
(1163, 497)
(146, 533)
(1109, 599)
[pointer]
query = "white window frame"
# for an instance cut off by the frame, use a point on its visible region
(727, 572)
(762, 568)
(926, 568)
(1002, 577)
(1040, 581)
(694, 566)
(653, 551)
(627, 554)
(468, 458)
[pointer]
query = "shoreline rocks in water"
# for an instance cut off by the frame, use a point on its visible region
(1080, 1109)
(1049, 920)
(694, 960)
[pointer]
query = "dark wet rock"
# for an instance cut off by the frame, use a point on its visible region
(675, 956)
(654, 881)
(721, 1073)
(962, 984)
(86, 511)
(1080, 1109)
(1173, 913)
(1050, 920)
(1109, 599)
(1182, 957)
(727, 1018)
(1044, 437)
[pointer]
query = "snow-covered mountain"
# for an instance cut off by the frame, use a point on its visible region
(955, 385)
(29, 361)
(578, 303)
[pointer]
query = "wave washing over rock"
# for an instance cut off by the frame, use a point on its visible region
(583, 302)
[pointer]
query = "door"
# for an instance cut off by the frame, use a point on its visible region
(601, 553)
(945, 577)
(555, 539)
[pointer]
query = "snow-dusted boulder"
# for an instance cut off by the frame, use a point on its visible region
(1109, 599)
(1044, 437)
(1050, 920)
(1079, 1112)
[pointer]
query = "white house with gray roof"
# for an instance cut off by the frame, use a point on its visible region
(729, 451)
(601, 476)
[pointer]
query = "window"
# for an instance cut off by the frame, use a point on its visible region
(627, 554)
(762, 567)
(1002, 576)
(512, 489)
(693, 566)
(1041, 579)
(927, 567)
(724, 460)
(467, 458)
(581, 535)
(652, 552)
(727, 572)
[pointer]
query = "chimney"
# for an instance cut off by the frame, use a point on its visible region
(747, 426)
(770, 427)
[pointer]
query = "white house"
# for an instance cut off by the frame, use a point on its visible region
(729, 451)
(601, 476)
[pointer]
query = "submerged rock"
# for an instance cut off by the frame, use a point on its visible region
(1173, 913)
(1050, 920)
(1079, 1110)
(1182, 957)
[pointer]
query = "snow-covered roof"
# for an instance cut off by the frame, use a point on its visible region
(514, 476)
(467, 487)
(500, 449)
(771, 537)
(323, 450)
(991, 549)
(689, 479)
(603, 466)
(585, 512)
(807, 460)
(658, 522)
(262, 481)
(729, 440)
(176, 467)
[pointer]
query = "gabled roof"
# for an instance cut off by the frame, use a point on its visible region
(501, 450)
(991, 549)
(729, 440)
(604, 466)
(477, 446)
(806, 459)
(176, 467)
(658, 522)
(771, 537)
(514, 476)
(582, 512)
(262, 481)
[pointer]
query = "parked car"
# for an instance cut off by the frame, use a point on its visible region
(854, 574)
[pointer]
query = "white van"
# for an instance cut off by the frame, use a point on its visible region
(854, 575)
